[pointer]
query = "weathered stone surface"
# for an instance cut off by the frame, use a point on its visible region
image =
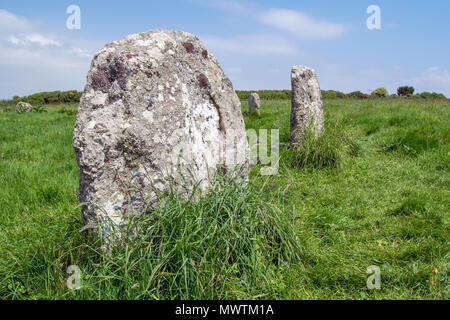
(254, 103)
(156, 106)
(307, 109)
(22, 107)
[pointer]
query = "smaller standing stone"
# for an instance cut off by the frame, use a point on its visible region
(22, 107)
(307, 109)
(254, 103)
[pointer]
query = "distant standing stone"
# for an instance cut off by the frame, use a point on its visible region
(22, 107)
(307, 109)
(254, 103)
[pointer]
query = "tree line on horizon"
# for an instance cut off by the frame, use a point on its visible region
(405, 92)
(73, 96)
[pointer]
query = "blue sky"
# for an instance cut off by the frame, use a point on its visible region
(256, 42)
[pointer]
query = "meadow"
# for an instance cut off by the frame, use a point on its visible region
(372, 190)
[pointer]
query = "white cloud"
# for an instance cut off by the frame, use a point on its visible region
(82, 53)
(42, 40)
(300, 24)
(14, 40)
(436, 75)
(20, 31)
(257, 44)
(35, 58)
(10, 23)
(433, 79)
(33, 38)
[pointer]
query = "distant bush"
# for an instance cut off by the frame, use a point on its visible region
(265, 94)
(438, 96)
(51, 97)
(431, 95)
(405, 91)
(7, 105)
(70, 96)
(332, 94)
(285, 94)
(358, 95)
(380, 93)
(39, 109)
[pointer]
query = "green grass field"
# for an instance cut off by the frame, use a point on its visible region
(373, 190)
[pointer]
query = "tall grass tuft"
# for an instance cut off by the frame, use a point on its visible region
(228, 243)
(327, 150)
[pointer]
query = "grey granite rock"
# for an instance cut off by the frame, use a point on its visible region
(307, 109)
(254, 103)
(156, 107)
(22, 107)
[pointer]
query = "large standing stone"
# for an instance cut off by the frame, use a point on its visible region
(254, 103)
(307, 109)
(22, 107)
(156, 107)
